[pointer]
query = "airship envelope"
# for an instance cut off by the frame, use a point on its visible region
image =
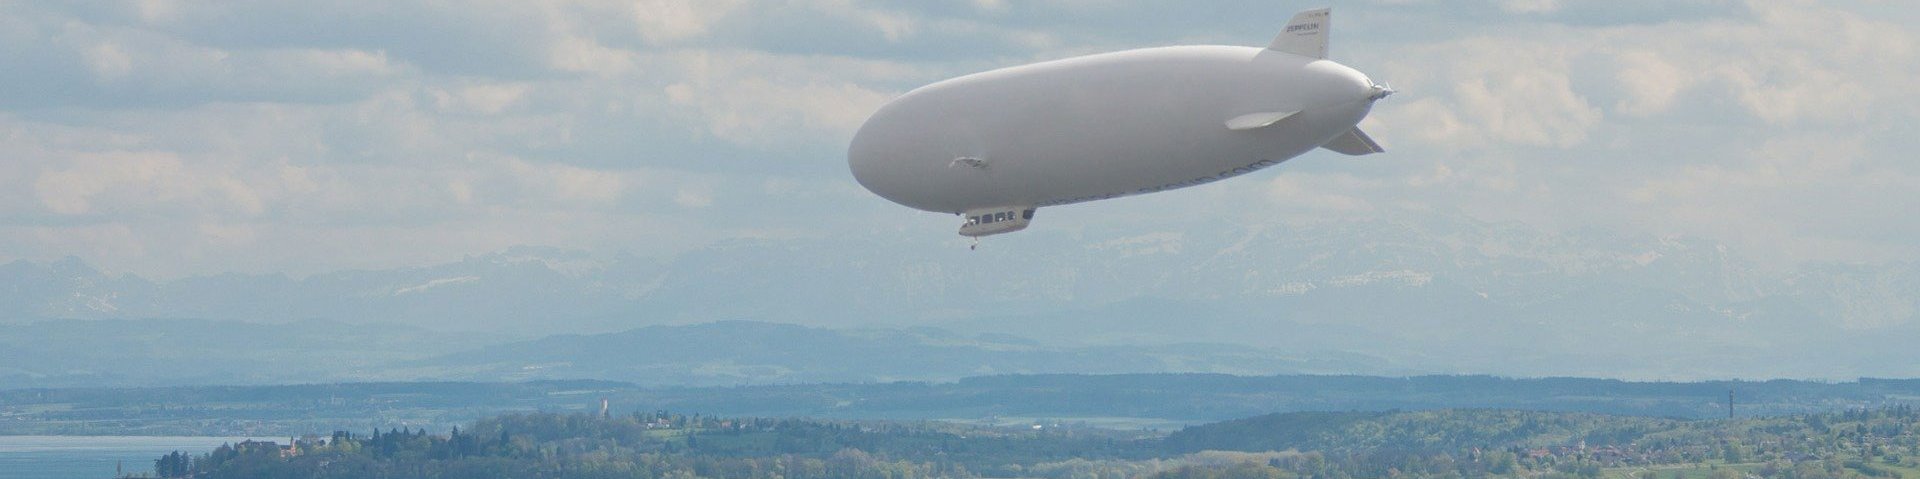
(995, 146)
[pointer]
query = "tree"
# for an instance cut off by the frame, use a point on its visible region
(175, 464)
(1731, 453)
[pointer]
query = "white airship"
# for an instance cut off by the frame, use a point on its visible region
(994, 146)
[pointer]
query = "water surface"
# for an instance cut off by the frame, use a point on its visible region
(91, 457)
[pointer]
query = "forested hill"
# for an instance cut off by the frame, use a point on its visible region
(1143, 400)
(1415, 431)
(1452, 444)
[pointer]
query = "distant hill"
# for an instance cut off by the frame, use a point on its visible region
(1345, 411)
(160, 352)
(1855, 444)
(68, 353)
(744, 352)
(1412, 431)
(1434, 293)
(521, 290)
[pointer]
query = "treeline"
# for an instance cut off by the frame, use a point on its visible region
(1187, 398)
(658, 445)
(1418, 431)
(1858, 444)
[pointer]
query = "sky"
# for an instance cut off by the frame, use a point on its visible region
(176, 138)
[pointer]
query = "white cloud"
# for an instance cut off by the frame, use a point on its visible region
(1799, 197)
(137, 182)
(894, 26)
(178, 126)
(1530, 6)
(1323, 194)
(1490, 93)
(741, 99)
(114, 242)
(693, 197)
(575, 184)
(157, 11)
(461, 191)
(1651, 82)
(228, 234)
(582, 54)
(1773, 132)
(991, 6)
(108, 61)
(488, 99)
(762, 112)
(1795, 64)
(662, 21)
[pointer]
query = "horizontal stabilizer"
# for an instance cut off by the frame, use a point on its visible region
(1354, 142)
(1306, 35)
(1254, 121)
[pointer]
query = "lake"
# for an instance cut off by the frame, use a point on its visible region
(93, 457)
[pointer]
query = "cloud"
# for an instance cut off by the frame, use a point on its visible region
(1675, 144)
(1790, 64)
(662, 21)
(494, 38)
(584, 55)
(1530, 6)
(568, 183)
(1491, 93)
(108, 61)
(1323, 195)
(93, 67)
(138, 182)
(991, 6)
(1801, 197)
(1651, 83)
(693, 197)
(243, 129)
(1797, 64)
(483, 99)
(752, 98)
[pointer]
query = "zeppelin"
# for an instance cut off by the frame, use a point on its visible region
(993, 147)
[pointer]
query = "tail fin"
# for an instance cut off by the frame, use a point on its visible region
(1354, 143)
(1306, 35)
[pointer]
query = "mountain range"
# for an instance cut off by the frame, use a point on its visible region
(1429, 294)
(175, 352)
